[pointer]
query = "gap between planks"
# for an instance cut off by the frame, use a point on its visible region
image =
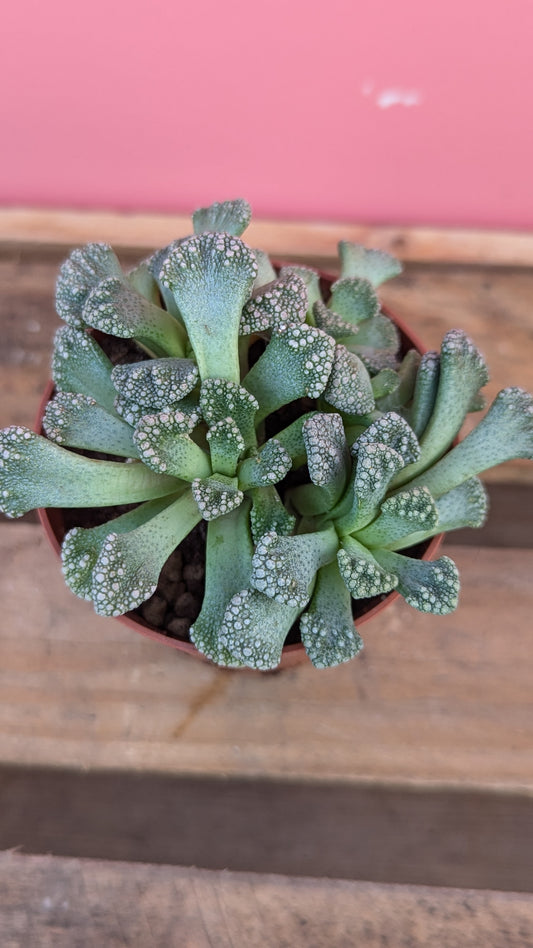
(379, 833)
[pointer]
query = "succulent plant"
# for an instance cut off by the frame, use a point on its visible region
(318, 455)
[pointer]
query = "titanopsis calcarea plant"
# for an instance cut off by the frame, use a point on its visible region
(316, 452)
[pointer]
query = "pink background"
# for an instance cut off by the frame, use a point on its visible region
(412, 112)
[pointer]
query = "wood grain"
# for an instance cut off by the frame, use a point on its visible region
(66, 903)
(302, 239)
(445, 700)
(425, 741)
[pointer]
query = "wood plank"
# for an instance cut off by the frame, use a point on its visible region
(493, 305)
(61, 903)
(290, 238)
(444, 701)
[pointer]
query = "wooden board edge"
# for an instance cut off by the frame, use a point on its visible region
(294, 239)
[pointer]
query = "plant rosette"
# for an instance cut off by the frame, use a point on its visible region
(53, 521)
(284, 425)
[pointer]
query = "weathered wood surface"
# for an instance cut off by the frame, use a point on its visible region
(74, 903)
(429, 734)
(293, 238)
(446, 700)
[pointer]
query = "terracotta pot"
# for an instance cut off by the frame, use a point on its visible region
(53, 523)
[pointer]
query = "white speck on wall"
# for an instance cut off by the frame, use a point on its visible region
(390, 97)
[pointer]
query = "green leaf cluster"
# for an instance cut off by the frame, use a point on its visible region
(318, 453)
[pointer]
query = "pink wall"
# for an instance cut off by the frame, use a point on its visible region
(412, 112)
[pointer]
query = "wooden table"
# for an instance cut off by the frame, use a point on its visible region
(385, 802)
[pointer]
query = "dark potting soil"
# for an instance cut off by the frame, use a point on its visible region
(178, 598)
